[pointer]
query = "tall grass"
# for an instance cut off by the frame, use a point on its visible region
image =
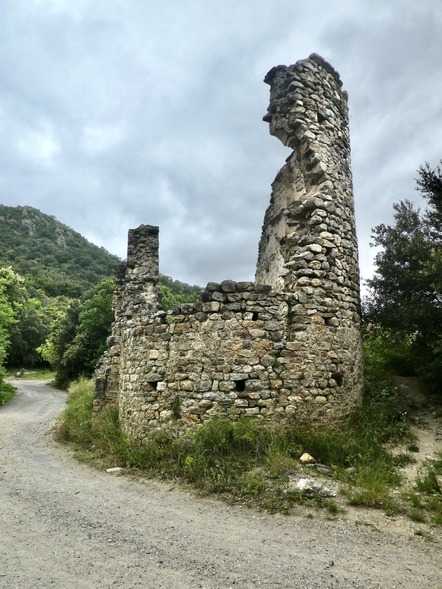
(428, 490)
(76, 424)
(7, 392)
(245, 458)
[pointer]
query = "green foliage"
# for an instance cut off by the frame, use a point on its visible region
(429, 183)
(58, 265)
(7, 392)
(6, 320)
(10, 304)
(427, 481)
(28, 329)
(78, 336)
(76, 422)
(249, 459)
(79, 329)
(385, 352)
(406, 292)
(61, 336)
(27, 334)
(379, 363)
(56, 311)
(53, 258)
(171, 298)
(427, 495)
(180, 288)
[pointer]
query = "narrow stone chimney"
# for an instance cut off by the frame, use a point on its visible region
(141, 291)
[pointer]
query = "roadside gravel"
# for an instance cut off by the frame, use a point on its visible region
(65, 525)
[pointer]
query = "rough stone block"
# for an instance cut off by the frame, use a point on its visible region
(213, 286)
(212, 307)
(228, 286)
(245, 286)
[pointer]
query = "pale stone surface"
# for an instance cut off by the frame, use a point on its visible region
(307, 459)
(311, 487)
(283, 348)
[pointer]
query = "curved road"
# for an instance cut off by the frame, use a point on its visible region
(65, 525)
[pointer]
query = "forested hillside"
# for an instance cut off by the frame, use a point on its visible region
(56, 295)
(50, 255)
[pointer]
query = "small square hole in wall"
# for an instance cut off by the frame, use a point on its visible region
(153, 384)
(339, 378)
(240, 385)
(255, 316)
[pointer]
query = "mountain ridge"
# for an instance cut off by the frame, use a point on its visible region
(52, 256)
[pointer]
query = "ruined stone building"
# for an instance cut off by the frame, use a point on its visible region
(285, 346)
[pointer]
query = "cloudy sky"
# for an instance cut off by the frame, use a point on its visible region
(116, 113)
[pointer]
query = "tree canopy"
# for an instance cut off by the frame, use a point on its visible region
(406, 290)
(78, 336)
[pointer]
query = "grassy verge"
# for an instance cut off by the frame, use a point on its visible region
(425, 498)
(7, 392)
(31, 374)
(252, 462)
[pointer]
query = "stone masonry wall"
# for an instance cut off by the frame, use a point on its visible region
(135, 298)
(308, 247)
(287, 346)
(226, 354)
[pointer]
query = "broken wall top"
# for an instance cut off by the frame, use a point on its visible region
(304, 97)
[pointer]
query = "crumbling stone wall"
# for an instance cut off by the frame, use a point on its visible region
(135, 299)
(287, 345)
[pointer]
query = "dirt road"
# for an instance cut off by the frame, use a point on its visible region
(65, 525)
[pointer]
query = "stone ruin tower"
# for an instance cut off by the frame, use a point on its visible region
(285, 347)
(308, 247)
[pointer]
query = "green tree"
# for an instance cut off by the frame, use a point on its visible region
(55, 312)
(78, 337)
(10, 296)
(62, 333)
(170, 299)
(178, 287)
(30, 326)
(406, 291)
(6, 320)
(27, 333)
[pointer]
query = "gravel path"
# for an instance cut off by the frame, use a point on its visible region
(65, 525)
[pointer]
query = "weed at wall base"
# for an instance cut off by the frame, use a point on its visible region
(246, 459)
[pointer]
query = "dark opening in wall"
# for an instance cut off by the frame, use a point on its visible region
(240, 385)
(339, 378)
(330, 321)
(255, 316)
(175, 406)
(321, 118)
(153, 384)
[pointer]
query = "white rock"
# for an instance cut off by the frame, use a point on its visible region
(114, 469)
(311, 487)
(307, 459)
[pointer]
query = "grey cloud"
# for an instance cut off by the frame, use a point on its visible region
(115, 114)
